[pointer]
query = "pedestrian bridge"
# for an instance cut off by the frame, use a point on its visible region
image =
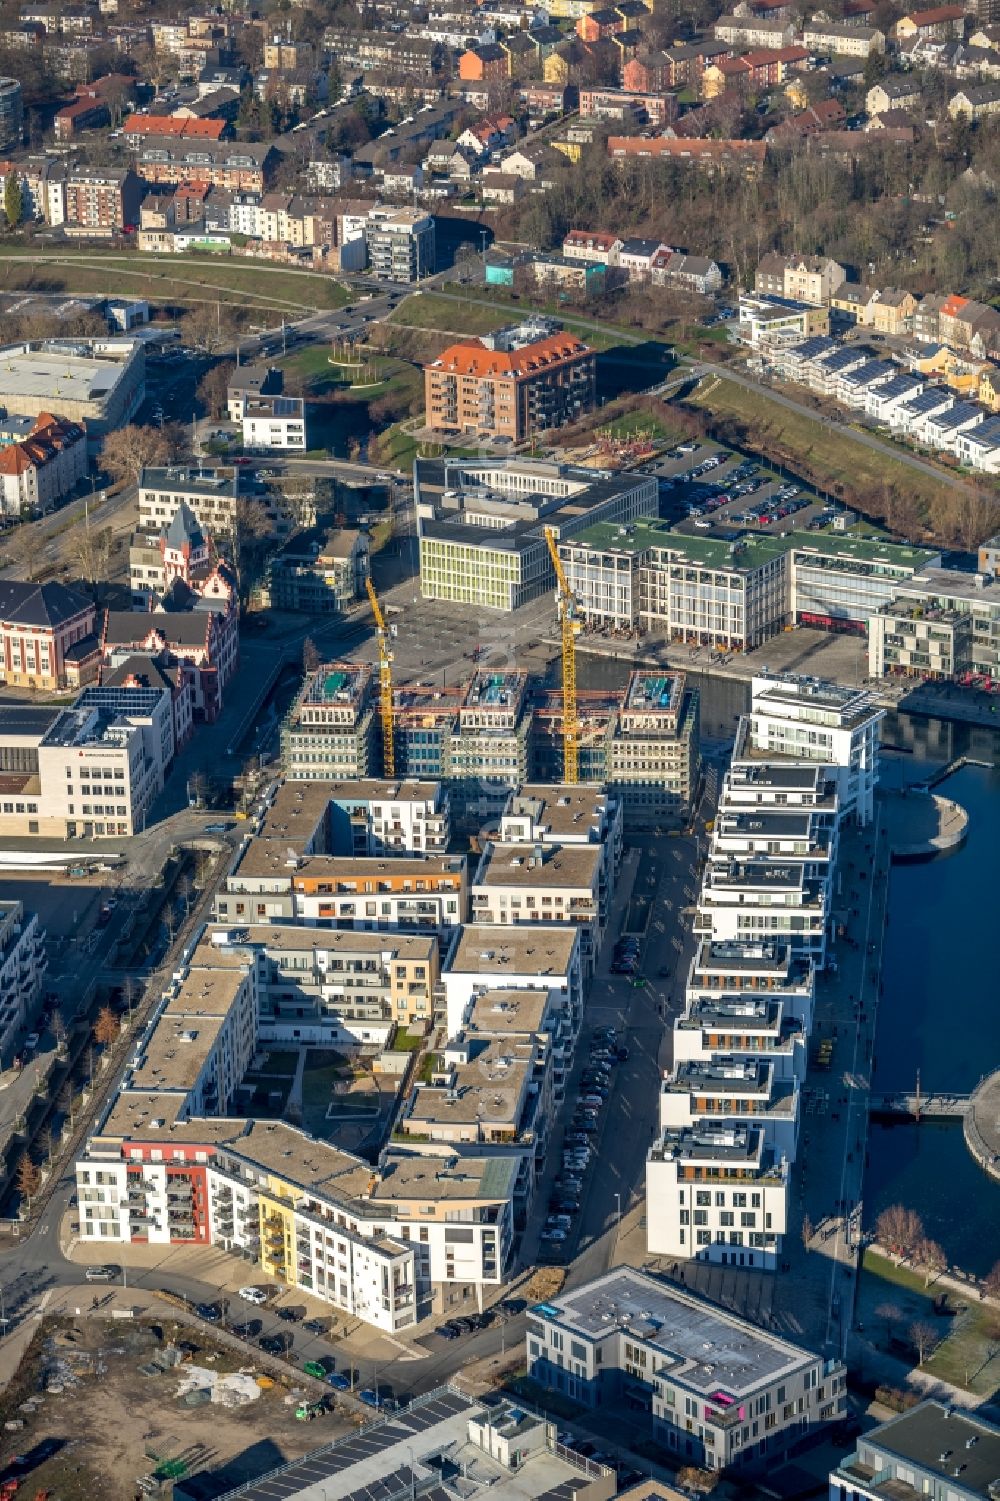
(920, 1106)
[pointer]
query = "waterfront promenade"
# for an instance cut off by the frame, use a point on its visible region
(981, 1124)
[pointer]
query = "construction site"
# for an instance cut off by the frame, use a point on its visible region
(119, 1408)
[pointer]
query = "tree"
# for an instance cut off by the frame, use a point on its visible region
(807, 1230)
(131, 449)
(251, 531)
(28, 1180)
(209, 326)
(106, 1028)
(991, 1281)
(924, 1337)
(59, 1029)
(213, 388)
(13, 202)
(931, 1257)
(889, 1313)
(90, 549)
(65, 1101)
(900, 1229)
(310, 655)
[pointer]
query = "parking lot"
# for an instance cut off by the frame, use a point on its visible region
(707, 489)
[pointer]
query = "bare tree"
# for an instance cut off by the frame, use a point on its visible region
(130, 993)
(90, 550)
(209, 326)
(900, 1229)
(129, 450)
(924, 1337)
(807, 1230)
(66, 1102)
(310, 655)
(991, 1282)
(932, 1258)
(890, 1313)
(59, 1029)
(213, 388)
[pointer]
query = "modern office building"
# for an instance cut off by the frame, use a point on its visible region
(719, 1391)
(329, 731)
(481, 523)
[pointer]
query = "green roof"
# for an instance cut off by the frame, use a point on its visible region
(865, 549)
(750, 549)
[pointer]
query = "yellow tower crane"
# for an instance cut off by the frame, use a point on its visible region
(570, 629)
(384, 684)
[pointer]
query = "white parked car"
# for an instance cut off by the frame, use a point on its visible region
(255, 1295)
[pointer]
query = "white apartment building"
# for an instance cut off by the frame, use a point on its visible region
(171, 1162)
(482, 960)
(732, 971)
(805, 720)
(744, 1027)
(209, 493)
(719, 1391)
(804, 834)
(273, 423)
(379, 817)
(747, 900)
(398, 894)
(329, 989)
(23, 964)
(716, 1192)
(539, 884)
(744, 1092)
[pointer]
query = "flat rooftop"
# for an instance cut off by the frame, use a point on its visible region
(227, 943)
(488, 949)
(704, 1347)
(956, 1450)
(190, 479)
(575, 866)
(60, 373)
(401, 1457)
(337, 683)
(503, 1013)
(407, 1176)
(654, 692)
(489, 1089)
(561, 811)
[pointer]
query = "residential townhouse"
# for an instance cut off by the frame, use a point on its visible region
(101, 200)
(975, 102)
(690, 273)
(940, 22)
(43, 467)
(813, 279)
(709, 155)
(842, 39)
(753, 31)
(594, 246)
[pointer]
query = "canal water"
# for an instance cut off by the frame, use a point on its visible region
(940, 1011)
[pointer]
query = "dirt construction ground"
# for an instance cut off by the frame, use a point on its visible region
(102, 1405)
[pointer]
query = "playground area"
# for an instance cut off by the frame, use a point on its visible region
(110, 1409)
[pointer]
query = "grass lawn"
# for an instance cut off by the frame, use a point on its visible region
(967, 1339)
(405, 1042)
(830, 455)
(279, 1063)
(427, 1065)
(174, 279)
(448, 315)
(631, 423)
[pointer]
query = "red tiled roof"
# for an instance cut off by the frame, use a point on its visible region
(471, 357)
(170, 125)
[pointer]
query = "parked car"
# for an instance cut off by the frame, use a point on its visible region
(210, 1312)
(248, 1329)
(289, 1315)
(448, 1331)
(275, 1344)
(255, 1295)
(102, 1273)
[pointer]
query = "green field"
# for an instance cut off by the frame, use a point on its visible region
(968, 1352)
(448, 315)
(828, 456)
(170, 279)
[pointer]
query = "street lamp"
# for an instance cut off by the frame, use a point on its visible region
(618, 1206)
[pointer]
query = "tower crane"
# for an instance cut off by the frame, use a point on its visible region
(384, 684)
(570, 625)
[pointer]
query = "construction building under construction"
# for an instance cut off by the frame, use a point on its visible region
(330, 731)
(485, 737)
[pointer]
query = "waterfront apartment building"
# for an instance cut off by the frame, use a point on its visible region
(329, 731)
(382, 817)
(481, 523)
(654, 752)
(23, 966)
(807, 720)
(944, 624)
(482, 388)
(718, 1391)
